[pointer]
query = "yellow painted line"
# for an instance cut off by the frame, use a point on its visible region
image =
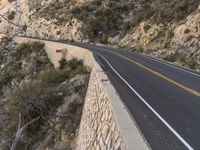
(156, 73)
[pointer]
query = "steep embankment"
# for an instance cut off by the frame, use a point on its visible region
(165, 29)
(44, 102)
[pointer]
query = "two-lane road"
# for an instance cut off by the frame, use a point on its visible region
(164, 100)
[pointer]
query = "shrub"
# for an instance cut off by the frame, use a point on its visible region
(25, 49)
(78, 70)
(73, 107)
(97, 2)
(93, 28)
(11, 15)
(90, 8)
(192, 64)
(74, 63)
(181, 58)
(5, 78)
(62, 63)
(170, 58)
(54, 77)
(32, 100)
(167, 45)
(111, 20)
(76, 10)
(36, 46)
(41, 62)
(98, 13)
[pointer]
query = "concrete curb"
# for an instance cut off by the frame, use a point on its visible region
(129, 130)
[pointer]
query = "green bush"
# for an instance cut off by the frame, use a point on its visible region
(38, 98)
(79, 70)
(62, 63)
(171, 58)
(66, 71)
(74, 63)
(25, 49)
(54, 77)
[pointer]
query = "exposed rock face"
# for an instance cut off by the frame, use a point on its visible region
(18, 12)
(27, 12)
(157, 27)
(163, 39)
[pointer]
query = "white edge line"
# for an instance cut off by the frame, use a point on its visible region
(147, 104)
(168, 64)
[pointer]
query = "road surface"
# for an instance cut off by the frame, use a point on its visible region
(163, 99)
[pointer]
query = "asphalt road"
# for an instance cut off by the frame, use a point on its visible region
(164, 100)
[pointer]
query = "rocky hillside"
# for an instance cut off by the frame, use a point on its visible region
(168, 29)
(42, 101)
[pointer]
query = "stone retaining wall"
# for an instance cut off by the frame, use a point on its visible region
(105, 123)
(98, 129)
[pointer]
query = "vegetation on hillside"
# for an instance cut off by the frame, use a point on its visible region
(33, 90)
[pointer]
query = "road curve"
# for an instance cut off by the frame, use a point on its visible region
(163, 99)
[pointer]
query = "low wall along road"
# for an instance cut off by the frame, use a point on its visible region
(105, 123)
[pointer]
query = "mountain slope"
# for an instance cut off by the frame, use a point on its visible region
(165, 29)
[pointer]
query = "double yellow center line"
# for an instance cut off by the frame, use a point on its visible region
(155, 73)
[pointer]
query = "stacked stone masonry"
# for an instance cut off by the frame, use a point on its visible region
(98, 129)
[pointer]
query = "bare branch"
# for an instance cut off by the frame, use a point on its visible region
(32, 121)
(9, 21)
(20, 130)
